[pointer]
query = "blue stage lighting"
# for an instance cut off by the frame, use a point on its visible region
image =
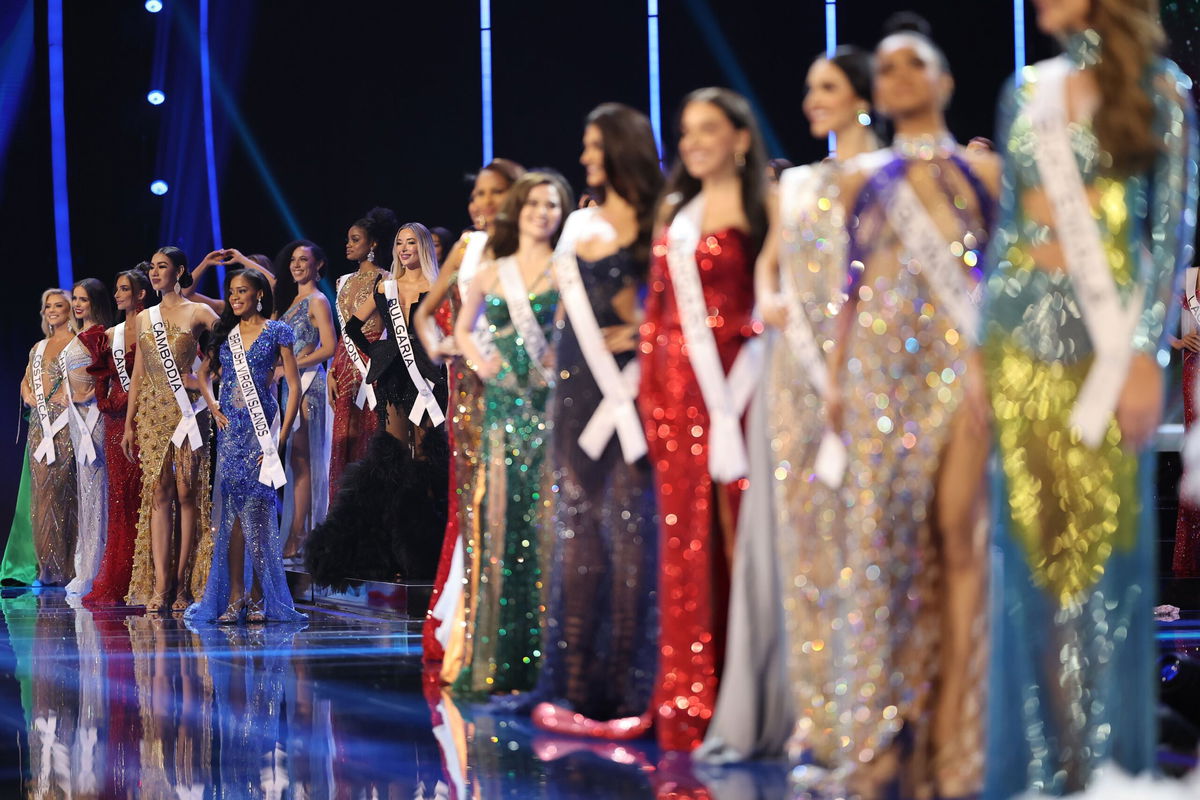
(154, 6)
(159, 187)
(155, 97)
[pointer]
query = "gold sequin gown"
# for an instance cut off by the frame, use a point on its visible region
(53, 508)
(156, 417)
(865, 600)
(1073, 681)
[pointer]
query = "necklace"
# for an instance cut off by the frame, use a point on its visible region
(925, 146)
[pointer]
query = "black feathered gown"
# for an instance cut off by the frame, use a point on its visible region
(388, 518)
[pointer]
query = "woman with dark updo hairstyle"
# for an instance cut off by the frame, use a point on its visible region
(354, 419)
(799, 281)
(112, 368)
(1097, 220)
(175, 478)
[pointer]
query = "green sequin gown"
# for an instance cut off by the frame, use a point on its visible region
(1074, 537)
(509, 607)
(20, 560)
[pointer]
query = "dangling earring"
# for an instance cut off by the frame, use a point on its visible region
(178, 288)
(864, 117)
(260, 305)
(740, 160)
(371, 255)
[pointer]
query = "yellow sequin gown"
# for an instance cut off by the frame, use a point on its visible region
(1074, 536)
(866, 595)
(157, 416)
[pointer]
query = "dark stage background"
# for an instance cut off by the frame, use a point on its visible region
(322, 110)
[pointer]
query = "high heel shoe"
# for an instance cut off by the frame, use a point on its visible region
(255, 613)
(233, 612)
(155, 604)
(182, 601)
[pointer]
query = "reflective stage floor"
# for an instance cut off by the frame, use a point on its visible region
(112, 703)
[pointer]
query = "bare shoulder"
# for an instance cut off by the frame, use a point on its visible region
(987, 165)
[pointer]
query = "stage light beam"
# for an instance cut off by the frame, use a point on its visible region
(655, 74)
(485, 76)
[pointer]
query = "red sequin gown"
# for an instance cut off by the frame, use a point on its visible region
(693, 567)
(352, 426)
(124, 477)
(1185, 562)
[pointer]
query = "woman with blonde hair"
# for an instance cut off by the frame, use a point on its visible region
(52, 457)
(1097, 218)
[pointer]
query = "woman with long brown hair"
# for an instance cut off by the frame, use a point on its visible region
(1097, 218)
(698, 366)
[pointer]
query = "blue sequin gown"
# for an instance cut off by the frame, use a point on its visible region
(243, 497)
(316, 415)
(1075, 528)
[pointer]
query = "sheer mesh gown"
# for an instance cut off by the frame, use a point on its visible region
(602, 615)
(53, 509)
(124, 481)
(92, 478)
(316, 417)
(352, 426)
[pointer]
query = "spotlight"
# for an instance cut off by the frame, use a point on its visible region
(154, 6)
(159, 187)
(155, 97)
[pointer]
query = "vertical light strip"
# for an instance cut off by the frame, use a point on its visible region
(58, 144)
(210, 155)
(1018, 38)
(485, 76)
(830, 47)
(655, 75)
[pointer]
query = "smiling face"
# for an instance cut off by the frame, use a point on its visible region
(709, 142)
(243, 297)
(488, 195)
(908, 78)
(1062, 17)
(542, 213)
(163, 273)
(303, 266)
(81, 304)
(830, 103)
(358, 244)
(57, 310)
(405, 252)
(592, 157)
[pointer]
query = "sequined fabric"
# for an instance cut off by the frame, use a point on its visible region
(693, 579)
(602, 616)
(505, 627)
(1185, 560)
(316, 418)
(866, 597)
(124, 482)
(19, 565)
(91, 479)
(1073, 683)
(244, 499)
(53, 507)
(352, 426)
(154, 423)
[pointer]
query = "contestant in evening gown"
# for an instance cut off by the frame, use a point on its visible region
(317, 417)
(19, 565)
(91, 476)
(367, 240)
(388, 519)
(245, 500)
(53, 508)
(124, 475)
(157, 416)
(1073, 678)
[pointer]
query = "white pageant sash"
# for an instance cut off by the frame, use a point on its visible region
(425, 403)
(187, 428)
(468, 268)
(616, 412)
(118, 351)
(516, 297)
(307, 376)
(798, 195)
(45, 449)
(81, 439)
(1109, 323)
(271, 473)
(724, 398)
(366, 392)
(943, 272)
